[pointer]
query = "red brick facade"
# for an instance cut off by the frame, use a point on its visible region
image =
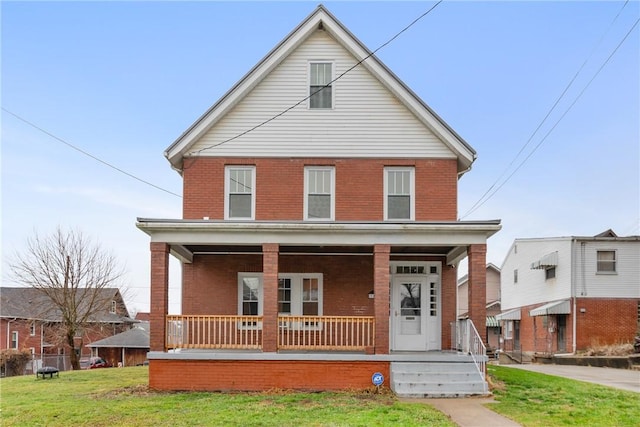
(255, 375)
(359, 187)
(599, 321)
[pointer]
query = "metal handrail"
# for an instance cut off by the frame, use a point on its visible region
(466, 339)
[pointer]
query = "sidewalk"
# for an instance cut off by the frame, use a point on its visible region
(624, 379)
(468, 411)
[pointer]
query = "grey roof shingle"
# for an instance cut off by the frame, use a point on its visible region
(136, 337)
(33, 304)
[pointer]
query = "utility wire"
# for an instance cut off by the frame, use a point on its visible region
(556, 123)
(481, 200)
(130, 175)
(321, 88)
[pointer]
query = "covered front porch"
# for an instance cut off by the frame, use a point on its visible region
(338, 298)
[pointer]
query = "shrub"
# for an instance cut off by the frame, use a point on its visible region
(14, 362)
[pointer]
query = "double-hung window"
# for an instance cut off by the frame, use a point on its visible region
(299, 294)
(606, 262)
(14, 339)
(399, 193)
(319, 191)
(320, 86)
(240, 196)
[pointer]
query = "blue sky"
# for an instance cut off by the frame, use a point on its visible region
(122, 80)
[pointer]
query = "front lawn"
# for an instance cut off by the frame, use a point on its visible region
(533, 399)
(119, 397)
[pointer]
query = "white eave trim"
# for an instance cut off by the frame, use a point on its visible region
(453, 233)
(465, 153)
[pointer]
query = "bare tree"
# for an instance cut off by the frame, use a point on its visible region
(72, 272)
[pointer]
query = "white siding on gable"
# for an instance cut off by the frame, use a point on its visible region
(625, 283)
(532, 288)
(366, 119)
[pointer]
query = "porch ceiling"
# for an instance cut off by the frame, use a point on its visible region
(189, 237)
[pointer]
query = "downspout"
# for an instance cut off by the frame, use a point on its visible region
(9, 331)
(573, 297)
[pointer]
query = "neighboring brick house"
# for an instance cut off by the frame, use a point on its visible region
(29, 321)
(322, 245)
(492, 307)
(566, 294)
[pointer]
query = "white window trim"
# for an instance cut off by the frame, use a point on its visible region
(332, 212)
(412, 192)
(32, 328)
(15, 338)
(333, 83)
(242, 276)
(508, 329)
(227, 171)
(296, 290)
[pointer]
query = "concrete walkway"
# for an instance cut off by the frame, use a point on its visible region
(624, 379)
(468, 411)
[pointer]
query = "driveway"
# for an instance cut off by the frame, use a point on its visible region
(624, 379)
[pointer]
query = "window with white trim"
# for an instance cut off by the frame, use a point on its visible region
(239, 189)
(32, 328)
(320, 86)
(250, 294)
(299, 294)
(399, 193)
(114, 307)
(14, 339)
(515, 276)
(606, 262)
(508, 329)
(319, 193)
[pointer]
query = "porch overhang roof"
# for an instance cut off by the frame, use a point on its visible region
(449, 238)
(557, 307)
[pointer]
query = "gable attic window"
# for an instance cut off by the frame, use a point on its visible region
(114, 305)
(320, 87)
(399, 187)
(239, 185)
(606, 262)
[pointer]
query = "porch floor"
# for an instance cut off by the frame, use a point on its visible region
(404, 356)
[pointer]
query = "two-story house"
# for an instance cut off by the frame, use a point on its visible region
(566, 294)
(319, 240)
(29, 320)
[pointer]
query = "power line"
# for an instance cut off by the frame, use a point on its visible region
(130, 175)
(489, 194)
(286, 110)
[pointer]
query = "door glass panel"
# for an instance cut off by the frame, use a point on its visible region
(410, 309)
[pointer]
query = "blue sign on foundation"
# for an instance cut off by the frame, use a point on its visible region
(377, 379)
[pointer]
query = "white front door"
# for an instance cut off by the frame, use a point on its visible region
(408, 313)
(415, 313)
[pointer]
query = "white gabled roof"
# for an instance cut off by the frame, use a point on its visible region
(321, 18)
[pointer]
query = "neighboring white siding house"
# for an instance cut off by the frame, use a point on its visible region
(575, 273)
(570, 293)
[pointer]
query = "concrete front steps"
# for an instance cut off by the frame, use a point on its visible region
(437, 379)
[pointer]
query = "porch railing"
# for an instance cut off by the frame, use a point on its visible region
(214, 332)
(330, 333)
(466, 339)
(333, 333)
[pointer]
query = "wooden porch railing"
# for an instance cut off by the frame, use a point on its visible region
(332, 333)
(214, 332)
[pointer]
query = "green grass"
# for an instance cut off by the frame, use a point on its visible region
(534, 399)
(119, 397)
